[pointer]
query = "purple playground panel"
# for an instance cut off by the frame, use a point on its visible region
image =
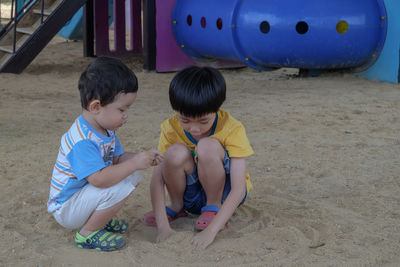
(170, 57)
(120, 28)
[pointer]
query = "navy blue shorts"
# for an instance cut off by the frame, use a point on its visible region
(195, 197)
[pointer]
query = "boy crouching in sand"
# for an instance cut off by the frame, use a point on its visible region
(204, 167)
(93, 175)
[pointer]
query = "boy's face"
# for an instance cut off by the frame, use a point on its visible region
(115, 114)
(198, 127)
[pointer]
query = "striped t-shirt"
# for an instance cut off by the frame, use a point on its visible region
(83, 151)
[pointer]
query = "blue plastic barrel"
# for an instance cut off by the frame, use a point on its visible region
(312, 34)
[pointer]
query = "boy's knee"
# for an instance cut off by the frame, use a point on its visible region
(110, 196)
(177, 154)
(113, 196)
(210, 148)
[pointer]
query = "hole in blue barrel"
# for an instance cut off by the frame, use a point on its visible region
(265, 27)
(203, 22)
(219, 23)
(302, 27)
(189, 20)
(342, 27)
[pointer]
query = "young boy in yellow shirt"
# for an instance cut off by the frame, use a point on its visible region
(204, 167)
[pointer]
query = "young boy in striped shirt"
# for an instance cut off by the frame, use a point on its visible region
(93, 175)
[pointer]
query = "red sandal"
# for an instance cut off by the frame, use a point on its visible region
(207, 215)
(149, 218)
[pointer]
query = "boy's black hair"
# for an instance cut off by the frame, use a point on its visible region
(197, 91)
(105, 78)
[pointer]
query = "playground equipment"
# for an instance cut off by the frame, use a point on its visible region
(30, 28)
(73, 29)
(101, 11)
(362, 36)
(20, 4)
(265, 35)
(33, 24)
(386, 67)
(311, 34)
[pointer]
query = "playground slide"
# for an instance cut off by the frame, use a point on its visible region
(73, 29)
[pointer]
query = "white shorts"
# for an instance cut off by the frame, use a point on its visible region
(76, 210)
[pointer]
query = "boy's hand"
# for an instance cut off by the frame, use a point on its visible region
(144, 160)
(204, 238)
(158, 157)
(163, 234)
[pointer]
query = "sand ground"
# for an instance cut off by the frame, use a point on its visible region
(325, 170)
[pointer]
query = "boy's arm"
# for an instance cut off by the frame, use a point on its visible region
(112, 175)
(128, 155)
(123, 157)
(158, 202)
(236, 195)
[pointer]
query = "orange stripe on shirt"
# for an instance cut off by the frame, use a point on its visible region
(72, 139)
(68, 174)
(58, 181)
(61, 152)
(63, 164)
(58, 189)
(66, 142)
(79, 130)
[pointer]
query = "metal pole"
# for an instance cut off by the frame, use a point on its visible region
(88, 29)
(15, 25)
(41, 12)
(149, 33)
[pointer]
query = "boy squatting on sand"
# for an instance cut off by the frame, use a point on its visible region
(204, 166)
(93, 175)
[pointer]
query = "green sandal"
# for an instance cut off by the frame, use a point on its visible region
(100, 240)
(117, 226)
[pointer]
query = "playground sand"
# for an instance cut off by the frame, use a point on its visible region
(325, 170)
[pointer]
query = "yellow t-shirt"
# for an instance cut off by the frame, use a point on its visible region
(229, 132)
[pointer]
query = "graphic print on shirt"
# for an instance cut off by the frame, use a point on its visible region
(108, 155)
